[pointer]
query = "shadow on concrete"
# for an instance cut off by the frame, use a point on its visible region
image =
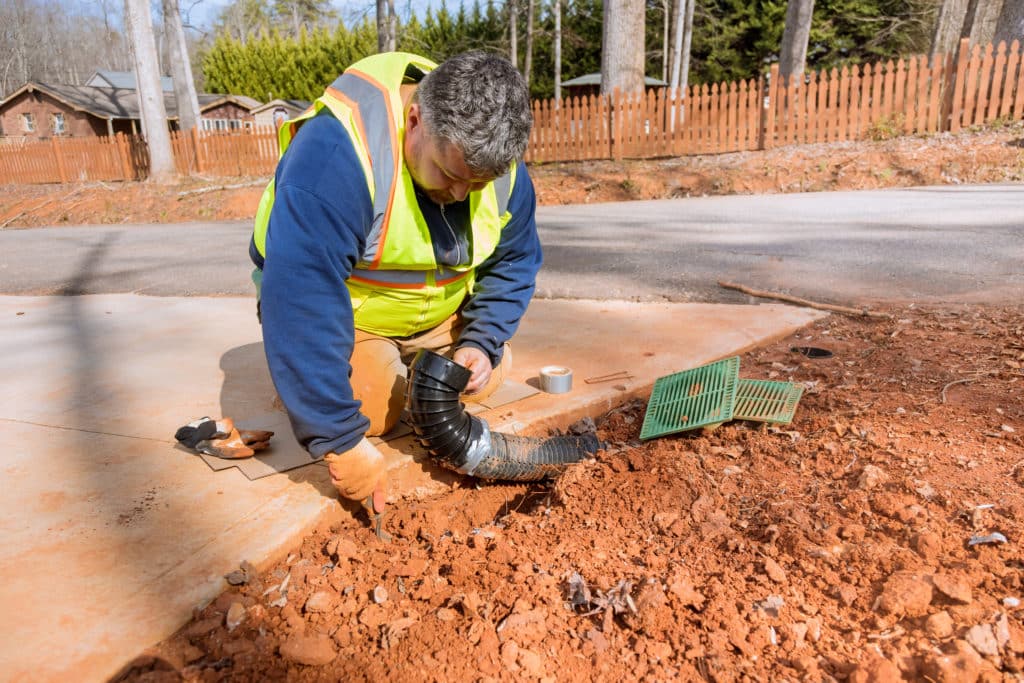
(248, 391)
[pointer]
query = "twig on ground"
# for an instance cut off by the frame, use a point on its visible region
(978, 375)
(956, 381)
(37, 207)
(802, 302)
(215, 188)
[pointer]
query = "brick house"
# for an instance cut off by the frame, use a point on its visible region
(42, 110)
(275, 112)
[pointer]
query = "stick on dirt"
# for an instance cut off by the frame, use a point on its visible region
(802, 302)
(37, 207)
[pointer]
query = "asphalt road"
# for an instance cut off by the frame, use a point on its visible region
(949, 244)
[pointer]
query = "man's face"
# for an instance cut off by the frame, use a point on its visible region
(437, 168)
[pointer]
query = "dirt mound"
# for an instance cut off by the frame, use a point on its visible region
(984, 156)
(876, 538)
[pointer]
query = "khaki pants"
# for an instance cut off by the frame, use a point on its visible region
(380, 372)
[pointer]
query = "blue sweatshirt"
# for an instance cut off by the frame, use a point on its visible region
(318, 227)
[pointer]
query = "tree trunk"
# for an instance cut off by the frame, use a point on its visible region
(622, 54)
(181, 68)
(684, 68)
(513, 33)
(983, 21)
(1010, 26)
(793, 54)
(382, 26)
(948, 27)
(392, 27)
(666, 51)
(558, 50)
(528, 60)
(151, 97)
(677, 44)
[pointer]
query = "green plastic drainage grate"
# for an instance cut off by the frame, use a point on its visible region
(766, 401)
(692, 398)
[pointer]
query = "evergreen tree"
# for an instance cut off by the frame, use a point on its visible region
(732, 39)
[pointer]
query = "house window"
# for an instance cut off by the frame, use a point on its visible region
(221, 124)
(28, 122)
(57, 123)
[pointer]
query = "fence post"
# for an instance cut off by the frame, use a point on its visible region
(615, 117)
(196, 147)
(122, 149)
(955, 85)
(59, 158)
(767, 130)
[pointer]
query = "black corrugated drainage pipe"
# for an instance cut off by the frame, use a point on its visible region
(464, 443)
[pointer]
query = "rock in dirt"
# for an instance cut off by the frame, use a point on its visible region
(928, 545)
(905, 594)
(201, 628)
(315, 650)
(190, 653)
(876, 669)
(961, 665)
(939, 625)
(953, 587)
(682, 588)
(510, 655)
(531, 663)
(871, 477)
(243, 575)
(292, 618)
(774, 571)
(339, 548)
(983, 639)
(319, 602)
(413, 568)
(235, 616)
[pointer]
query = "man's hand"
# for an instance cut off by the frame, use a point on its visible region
(359, 473)
(478, 364)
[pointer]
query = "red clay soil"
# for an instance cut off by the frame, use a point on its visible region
(838, 547)
(991, 155)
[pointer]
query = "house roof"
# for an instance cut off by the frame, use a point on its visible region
(211, 100)
(295, 105)
(595, 79)
(106, 103)
(105, 78)
(121, 103)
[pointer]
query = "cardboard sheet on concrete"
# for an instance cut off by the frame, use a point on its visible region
(286, 454)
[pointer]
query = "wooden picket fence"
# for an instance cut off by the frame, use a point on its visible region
(906, 96)
(234, 153)
(971, 87)
(64, 160)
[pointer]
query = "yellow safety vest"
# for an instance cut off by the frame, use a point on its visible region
(397, 288)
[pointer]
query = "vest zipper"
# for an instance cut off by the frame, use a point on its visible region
(455, 238)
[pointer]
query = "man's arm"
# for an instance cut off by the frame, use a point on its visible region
(317, 229)
(506, 280)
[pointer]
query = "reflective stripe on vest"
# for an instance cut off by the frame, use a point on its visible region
(374, 104)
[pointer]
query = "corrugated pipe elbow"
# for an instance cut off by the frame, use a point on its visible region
(465, 443)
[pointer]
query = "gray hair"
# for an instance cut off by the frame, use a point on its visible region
(478, 102)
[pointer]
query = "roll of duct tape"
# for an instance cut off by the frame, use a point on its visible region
(555, 379)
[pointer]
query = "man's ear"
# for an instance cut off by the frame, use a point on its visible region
(413, 120)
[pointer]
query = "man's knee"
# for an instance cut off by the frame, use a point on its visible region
(379, 381)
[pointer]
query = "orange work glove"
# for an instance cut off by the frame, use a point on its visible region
(221, 439)
(359, 473)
